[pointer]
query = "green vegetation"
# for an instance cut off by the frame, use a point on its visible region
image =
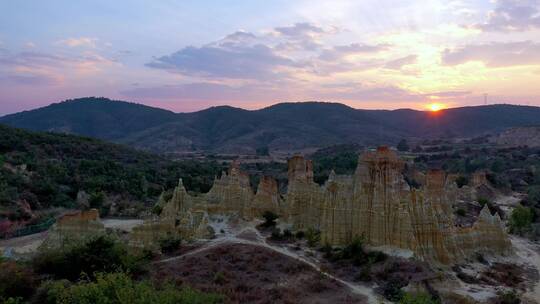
(48, 170)
(99, 254)
(313, 237)
(16, 281)
(521, 220)
(99, 270)
(420, 298)
(121, 288)
(262, 151)
(343, 159)
(462, 181)
(170, 243)
(402, 146)
(269, 219)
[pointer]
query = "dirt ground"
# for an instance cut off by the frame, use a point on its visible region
(253, 274)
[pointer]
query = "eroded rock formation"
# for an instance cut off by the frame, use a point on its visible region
(74, 227)
(375, 203)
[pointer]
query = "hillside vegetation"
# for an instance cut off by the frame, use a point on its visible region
(49, 170)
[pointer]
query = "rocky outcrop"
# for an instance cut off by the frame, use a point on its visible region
(74, 227)
(520, 136)
(375, 203)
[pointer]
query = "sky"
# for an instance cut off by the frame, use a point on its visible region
(189, 55)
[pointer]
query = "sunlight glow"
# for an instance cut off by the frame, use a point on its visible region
(434, 107)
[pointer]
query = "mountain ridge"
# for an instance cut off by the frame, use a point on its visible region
(288, 126)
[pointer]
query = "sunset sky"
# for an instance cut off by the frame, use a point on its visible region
(189, 55)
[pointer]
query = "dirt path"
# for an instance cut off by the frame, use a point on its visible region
(22, 245)
(122, 224)
(261, 241)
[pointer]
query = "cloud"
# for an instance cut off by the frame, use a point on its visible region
(32, 80)
(397, 64)
(300, 30)
(339, 51)
(284, 52)
(225, 61)
(79, 42)
(495, 54)
(513, 16)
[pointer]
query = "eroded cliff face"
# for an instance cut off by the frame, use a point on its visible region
(375, 203)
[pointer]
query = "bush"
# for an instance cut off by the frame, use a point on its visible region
(16, 281)
(300, 234)
(462, 181)
(402, 146)
(120, 288)
(313, 237)
(170, 243)
(99, 254)
(269, 218)
(521, 220)
(483, 201)
(420, 298)
(276, 234)
(508, 297)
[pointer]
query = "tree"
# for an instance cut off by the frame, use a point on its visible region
(521, 219)
(403, 146)
(262, 151)
(269, 218)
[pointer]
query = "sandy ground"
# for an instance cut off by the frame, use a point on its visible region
(22, 245)
(121, 224)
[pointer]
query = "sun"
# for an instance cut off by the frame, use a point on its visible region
(435, 107)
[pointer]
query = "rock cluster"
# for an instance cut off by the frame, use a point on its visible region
(375, 203)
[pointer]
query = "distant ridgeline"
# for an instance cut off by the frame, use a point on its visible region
(284, 126)
(375, 203)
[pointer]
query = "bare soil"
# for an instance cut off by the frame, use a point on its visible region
(253, 274)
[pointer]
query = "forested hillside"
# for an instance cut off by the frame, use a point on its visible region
(50, 170)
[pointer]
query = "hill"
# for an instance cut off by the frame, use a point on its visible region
(47, 170)
(281, 126)
(94, 117)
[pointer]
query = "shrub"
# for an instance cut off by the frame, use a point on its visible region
(276, 234)
(462, 181)
(99, 254)
(120, 288)
(287, 234)
(269, 218)
(16, 281)
(402, 146)
(156, 209)
(300, 234)
(507, 297)
(420, 298)
(313, 237)
(96, 199)
(483, 201)
(170, 243)
(354, 250)
(391, 289)
(521, 219)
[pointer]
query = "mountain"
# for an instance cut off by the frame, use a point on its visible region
(281, 126)
(94, 117)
